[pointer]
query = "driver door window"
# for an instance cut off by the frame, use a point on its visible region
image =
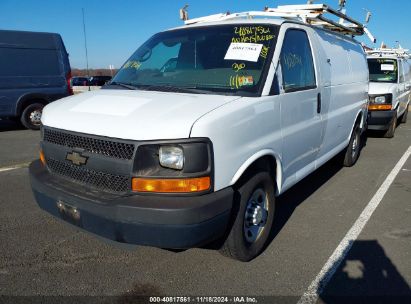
(297, 62)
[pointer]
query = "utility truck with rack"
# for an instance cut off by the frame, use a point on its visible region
(390, 89)
(204, 126)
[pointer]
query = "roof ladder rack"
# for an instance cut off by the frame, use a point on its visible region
(313, 14)
(399, 52)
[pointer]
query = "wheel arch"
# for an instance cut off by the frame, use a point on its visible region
(30, 98)
(360, 117)
(266, 158)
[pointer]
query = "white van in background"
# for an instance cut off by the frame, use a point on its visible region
(390, 88)
(201, 129)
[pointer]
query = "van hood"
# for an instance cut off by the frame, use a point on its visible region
(376, 88)
(129, 114)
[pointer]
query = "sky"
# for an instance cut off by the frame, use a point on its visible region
(115, 29)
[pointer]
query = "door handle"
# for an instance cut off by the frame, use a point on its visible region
(319, 103)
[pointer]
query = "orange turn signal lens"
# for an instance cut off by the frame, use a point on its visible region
(42, 157)
(185, 185)
(379, 107)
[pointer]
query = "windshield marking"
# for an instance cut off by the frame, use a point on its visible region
(238, 66)
(264, 52)
(252, 34)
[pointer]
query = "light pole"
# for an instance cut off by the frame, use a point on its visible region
(85, 47)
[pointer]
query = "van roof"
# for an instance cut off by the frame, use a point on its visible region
(25, 39)
(319, 15)
(384, 57)
(270, 21)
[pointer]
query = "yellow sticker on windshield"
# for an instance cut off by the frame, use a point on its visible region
(241, 81)
(132, 64)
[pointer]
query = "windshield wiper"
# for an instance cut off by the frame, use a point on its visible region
(170, 88)
(124, 85)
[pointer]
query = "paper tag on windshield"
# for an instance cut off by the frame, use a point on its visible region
(387, 67)
(243, 51)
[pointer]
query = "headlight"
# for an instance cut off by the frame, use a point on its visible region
(174, 166)
(171, 157)
(379, 99)
(387, 98)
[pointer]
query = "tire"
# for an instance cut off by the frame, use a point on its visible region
(354, 147)
(405, 115)
(256, 203)
(30, 118)
(391, 130)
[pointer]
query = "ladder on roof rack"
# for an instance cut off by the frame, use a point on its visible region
(312, 14)
(399, 52)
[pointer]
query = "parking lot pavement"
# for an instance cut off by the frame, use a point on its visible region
(17, 145)
(40, 255)
(376, 262)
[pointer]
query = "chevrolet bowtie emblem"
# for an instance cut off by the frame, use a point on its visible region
(76, 158)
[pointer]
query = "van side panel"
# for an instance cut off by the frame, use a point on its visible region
(238, 130)
(347, 88)
(403, 87)
(32, 66)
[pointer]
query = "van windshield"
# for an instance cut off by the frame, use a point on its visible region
(227, 59)
(383, 70)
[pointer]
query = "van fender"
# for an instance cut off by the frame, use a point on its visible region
(396, 106)
(362, 123)
(252, 159)
(30, 96)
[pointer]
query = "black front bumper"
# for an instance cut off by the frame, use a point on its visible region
(153, 220)
(380, 120)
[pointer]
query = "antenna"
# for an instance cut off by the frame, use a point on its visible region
(367, 20)
(341, 4)
(368, 16)
(184, 13)
(85, 44)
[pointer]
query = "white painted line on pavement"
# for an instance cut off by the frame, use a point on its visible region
(19, 166)
(321, 280)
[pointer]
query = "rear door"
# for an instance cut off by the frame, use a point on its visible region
(300, 108)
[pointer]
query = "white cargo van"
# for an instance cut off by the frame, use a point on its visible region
(201, 129)
(390, 88)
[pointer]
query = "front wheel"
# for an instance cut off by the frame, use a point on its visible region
(405, 115)
(353, 150)
(31, 116)
(253, 222)
(393, 125)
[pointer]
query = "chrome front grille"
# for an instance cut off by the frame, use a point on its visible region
(101, 180)
(104, 147)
